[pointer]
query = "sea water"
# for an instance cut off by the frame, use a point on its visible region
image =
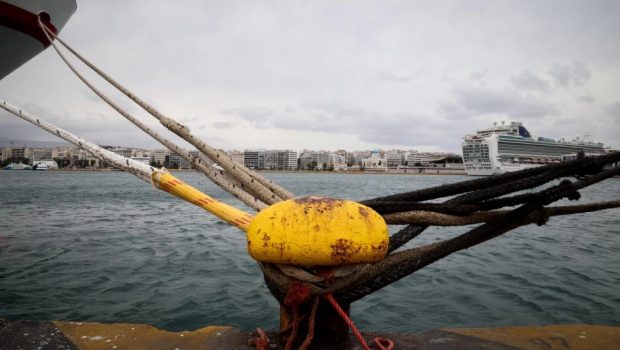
(104, 246)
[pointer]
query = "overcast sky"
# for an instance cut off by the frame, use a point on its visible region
(334, 74)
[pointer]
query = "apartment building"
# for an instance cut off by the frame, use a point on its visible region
(254, 159)
(159, 156)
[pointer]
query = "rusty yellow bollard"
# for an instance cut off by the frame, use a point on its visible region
(318, 231)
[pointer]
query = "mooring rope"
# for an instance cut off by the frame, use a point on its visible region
(159, 178)
(395, 266)
(481, 199)
(370, 277)
(440, 219)
(484, 182)
(140, 170)
(261, 187)
(219, 177)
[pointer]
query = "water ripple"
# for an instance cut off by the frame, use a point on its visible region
(122, 252)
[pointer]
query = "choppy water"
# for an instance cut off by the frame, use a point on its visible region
(107, 247)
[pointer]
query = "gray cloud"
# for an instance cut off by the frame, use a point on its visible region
(478, 75)
(526, 80)
(223, 125)
(120, 132)
(401, 68)
(331, 117)
(473, 102)
(389, 76)
(576, 74)
(586, 98)
(614, 111)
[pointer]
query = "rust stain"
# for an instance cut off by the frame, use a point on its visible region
(319, 204)
(266, 239)
(314, 200)
(281, 247)
(381, 246)
(343, 250)
(363, 211)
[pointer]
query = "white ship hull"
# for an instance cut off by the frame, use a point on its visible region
(508, 148)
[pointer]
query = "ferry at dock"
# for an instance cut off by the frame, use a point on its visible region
(506, 147)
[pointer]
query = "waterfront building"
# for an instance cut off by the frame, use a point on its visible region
(18, 153)
(184, 164)
(140, 153)
(305, 160)
(322, 160)
(121, 151)
(314, 160)
(395, 158)
(174, 160)
(272, 158)
(411, 158)
(337, 162)
(281, 160)
(288, 160)
(6, 153)
(34, 154)
(92, 160)
(254, 159)
(359, 156)
(375, 162)
(158, 156)
(236, 156)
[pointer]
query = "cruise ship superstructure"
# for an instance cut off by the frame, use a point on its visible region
(508, 147)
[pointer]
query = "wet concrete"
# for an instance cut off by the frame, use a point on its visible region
(26, 335)
(45, 335)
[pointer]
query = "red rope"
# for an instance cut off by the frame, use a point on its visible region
(297, 294)
(347, 320)
(262, 341)
(311, 322)
(293, 335)
(384, 343)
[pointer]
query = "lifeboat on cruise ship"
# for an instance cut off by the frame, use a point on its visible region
(20, 34)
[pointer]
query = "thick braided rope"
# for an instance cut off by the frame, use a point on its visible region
(440, 219)
(261, 187)
(219, 177)
(474, 201)
(585, 165)
(398, 265)
(487, 182)
(353, 287)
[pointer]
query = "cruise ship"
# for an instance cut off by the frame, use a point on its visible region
(508, 147)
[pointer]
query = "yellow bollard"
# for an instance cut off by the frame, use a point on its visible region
(318, 231)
